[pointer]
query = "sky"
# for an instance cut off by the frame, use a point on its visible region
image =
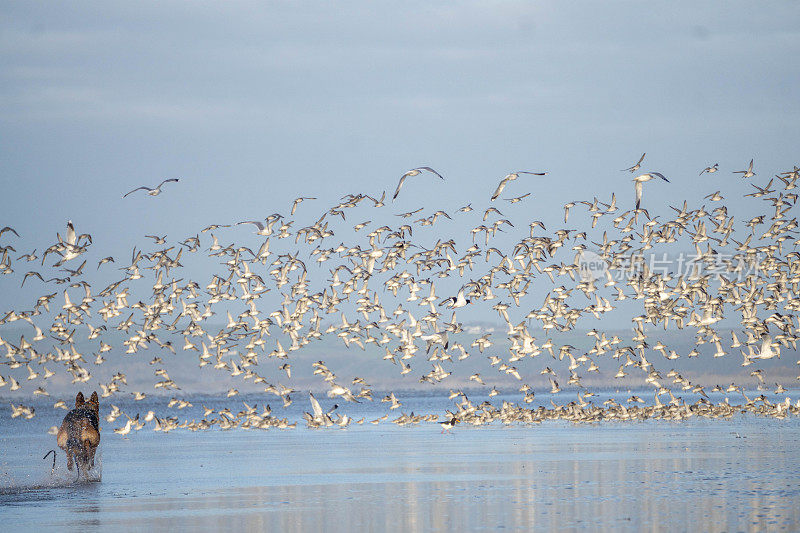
(252, 104)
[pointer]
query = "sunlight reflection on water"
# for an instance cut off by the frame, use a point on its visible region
(653, 475)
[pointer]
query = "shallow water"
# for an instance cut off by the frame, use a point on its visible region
(654, 475)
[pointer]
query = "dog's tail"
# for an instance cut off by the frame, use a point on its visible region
(52, 470)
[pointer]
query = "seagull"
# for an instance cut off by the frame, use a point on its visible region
(152, 192)
(264, 228)
(746, 173)
(512, 177)
(298, 201)
(635, 167)
(710, 169)
(639, 180)
(412, 172)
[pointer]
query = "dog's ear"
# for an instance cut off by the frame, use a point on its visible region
(79, 400)
(94, 399)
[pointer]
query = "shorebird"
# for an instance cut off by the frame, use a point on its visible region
(151, 192)
(274, 307)
(517, 199)
(297, 202)
(263, 228)
(318, 416)
(29, 274)
(713, 168)
(449, 424)
(636, 166)
(459, 300)
(639, 181)
(8, 228)
(746, 173)
(410, 173)
(511, 177)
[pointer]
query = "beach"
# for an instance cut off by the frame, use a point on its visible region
(716, 475)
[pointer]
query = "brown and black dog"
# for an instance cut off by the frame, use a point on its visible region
(79, 434)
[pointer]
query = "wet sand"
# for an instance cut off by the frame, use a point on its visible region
(655, 475)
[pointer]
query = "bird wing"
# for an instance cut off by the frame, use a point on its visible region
(165, 181)
(138, 189)
(70, 237)
(315, 406)
(31, 273)
(638, 187)
(400, 184)
(429, 169)
(766, 347)
(635, 167)
(256, 223)
(500, 187)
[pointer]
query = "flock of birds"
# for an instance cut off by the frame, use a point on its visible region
(395, 292)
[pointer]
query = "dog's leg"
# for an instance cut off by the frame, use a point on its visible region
(69, 460)
(89, 454)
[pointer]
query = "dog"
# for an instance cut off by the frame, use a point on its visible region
(79, 434)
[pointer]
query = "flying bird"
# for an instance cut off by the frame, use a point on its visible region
(298, 201)
(8, 228)
(412, 172)
(152, 192)
(639, 181)
(713, 168)
(512, 177)
(635, 167)
(746, 173)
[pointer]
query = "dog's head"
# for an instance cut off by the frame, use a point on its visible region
(94, 402)
(79, 401)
